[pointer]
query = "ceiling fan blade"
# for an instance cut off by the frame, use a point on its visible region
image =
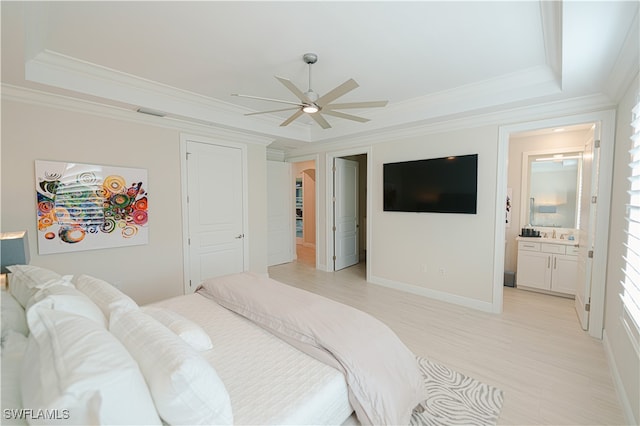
(292, 118)
(343, 89)
(371, 104)
(267, 99)
(320, 120)
(292, 87)
(273, 110)
(343, 115)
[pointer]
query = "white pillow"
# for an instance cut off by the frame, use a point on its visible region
(185, 387)
(12, 315)
(79, 370)
(25, 280)
(13, 351)
(188, 330)
(69, 299)
(103, 294)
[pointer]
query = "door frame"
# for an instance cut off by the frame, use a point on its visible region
(316, 159)
(329, 248)
(606, 119)
(184, 138)
(342, 167)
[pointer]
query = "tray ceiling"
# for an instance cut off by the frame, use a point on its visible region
(431, 60)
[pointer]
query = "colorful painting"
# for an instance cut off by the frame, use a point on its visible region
(88, 206)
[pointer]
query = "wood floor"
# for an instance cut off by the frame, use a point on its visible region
(551, 371)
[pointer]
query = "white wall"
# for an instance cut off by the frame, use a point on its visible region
(624, 359)
(148, 272)
(425, 251)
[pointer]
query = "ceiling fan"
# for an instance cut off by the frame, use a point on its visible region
(314, 105)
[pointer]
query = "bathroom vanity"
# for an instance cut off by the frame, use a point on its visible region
(548, 265)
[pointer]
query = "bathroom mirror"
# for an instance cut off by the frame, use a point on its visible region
(552, 189)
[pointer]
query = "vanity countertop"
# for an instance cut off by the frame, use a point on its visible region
(549, 240)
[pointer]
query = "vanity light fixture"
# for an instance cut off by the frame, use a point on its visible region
(559, 157)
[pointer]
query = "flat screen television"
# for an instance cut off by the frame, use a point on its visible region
(436, 185)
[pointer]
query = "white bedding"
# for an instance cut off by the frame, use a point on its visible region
(269, 381)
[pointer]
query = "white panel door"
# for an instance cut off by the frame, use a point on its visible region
(345, 216)
(279, 213)
(587, 231)
(215, 211)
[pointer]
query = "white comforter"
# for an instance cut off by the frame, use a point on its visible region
(385, 384)
(269, 382)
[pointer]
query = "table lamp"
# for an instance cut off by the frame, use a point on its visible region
(14, 250)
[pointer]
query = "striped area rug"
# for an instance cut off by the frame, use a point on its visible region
(455, 399)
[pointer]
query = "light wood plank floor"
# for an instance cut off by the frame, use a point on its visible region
(551, 371)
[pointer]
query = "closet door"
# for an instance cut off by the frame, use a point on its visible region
(279, 213)
(215, 209)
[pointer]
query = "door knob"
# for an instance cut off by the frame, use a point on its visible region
(240, 236)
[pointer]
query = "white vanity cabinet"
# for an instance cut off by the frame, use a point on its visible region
(547, 266)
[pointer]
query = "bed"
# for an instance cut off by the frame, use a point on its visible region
(75, 350)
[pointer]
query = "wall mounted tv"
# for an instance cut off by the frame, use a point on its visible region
(436, 185)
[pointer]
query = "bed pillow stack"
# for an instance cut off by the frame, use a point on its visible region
(78, 370)
(74, 371)
(92, 356)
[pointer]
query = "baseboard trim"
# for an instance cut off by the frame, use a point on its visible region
(617, 382)
(434, 294)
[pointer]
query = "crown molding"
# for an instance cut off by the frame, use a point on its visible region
(506, 116)
(438, 125)
(627, 65)
(65, 72)
(275, 155)
(531, 83)
(72, 104)
(551, 15)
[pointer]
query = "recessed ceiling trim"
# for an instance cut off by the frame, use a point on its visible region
(532, 83)
(626, 66)
(65, 72)
(551, 16)
(541, 111)
(66, 103)
(58, 70)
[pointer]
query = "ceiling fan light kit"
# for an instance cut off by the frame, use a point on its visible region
(314, 105)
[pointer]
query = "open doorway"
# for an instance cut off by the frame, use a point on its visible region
(347, 226)
(592, 239)
(304, 174)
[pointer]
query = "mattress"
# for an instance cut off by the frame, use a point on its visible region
(268, 381)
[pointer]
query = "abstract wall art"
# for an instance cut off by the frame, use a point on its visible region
(89, 206)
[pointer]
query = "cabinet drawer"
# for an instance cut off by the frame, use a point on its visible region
(526, 245)
(553, 248)
(573, 251)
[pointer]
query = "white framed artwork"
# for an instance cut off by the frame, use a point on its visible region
(88, 206)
